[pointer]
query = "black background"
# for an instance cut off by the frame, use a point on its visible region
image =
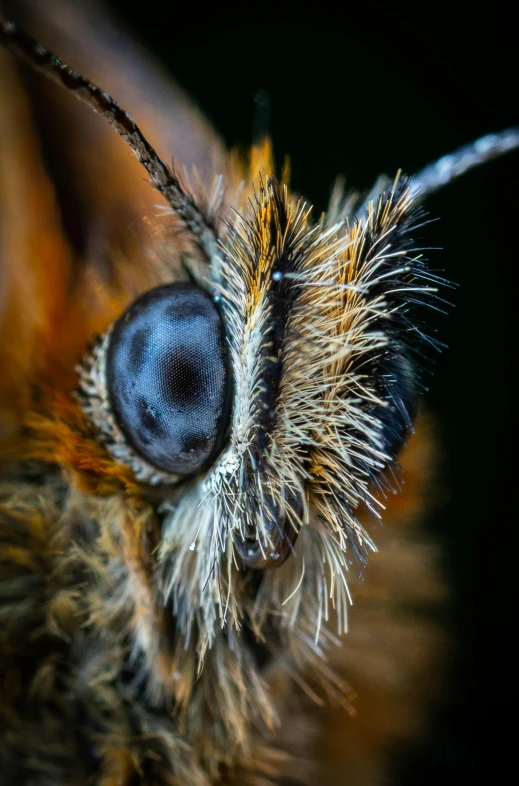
(367, 94)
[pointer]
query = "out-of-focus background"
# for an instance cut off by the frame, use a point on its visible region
(372, 93)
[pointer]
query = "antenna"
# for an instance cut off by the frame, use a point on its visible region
(41, 59)
(434, 176)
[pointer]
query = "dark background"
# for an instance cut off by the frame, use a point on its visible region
(368, 94)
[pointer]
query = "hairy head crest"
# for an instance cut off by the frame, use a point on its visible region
(321, 341)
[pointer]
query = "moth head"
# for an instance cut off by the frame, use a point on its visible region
(267, 397)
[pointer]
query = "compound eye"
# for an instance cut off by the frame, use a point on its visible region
(168, 378)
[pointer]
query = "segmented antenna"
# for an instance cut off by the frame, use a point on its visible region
(41, 59)
(434, 176)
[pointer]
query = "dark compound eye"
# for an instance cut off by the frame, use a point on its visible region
(168, 378)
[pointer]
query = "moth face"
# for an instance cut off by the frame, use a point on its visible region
(268, 398)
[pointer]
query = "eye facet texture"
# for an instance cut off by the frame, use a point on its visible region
(168, 377)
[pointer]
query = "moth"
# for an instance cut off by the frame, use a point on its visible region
(209, 403)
